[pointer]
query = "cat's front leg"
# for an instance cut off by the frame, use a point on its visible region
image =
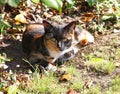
(46, 61)
(51, 66)
(34, 56)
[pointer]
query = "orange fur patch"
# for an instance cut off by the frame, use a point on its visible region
(34, 27)
(51, 45)
(37, 36)
(84, 41)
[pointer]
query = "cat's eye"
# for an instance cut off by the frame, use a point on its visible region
(49, 35)
(65, 40)
(53, 39)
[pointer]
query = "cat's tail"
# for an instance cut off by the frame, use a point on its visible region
(84, 37)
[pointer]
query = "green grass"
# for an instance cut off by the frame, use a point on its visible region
(101, 65)
(117, 54)
(71, 70)
(50, 83)
(39, 84)
(77, 85)
(93, 90)
(4, 58)
(114, 87)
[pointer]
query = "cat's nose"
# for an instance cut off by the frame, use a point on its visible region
(61, 46)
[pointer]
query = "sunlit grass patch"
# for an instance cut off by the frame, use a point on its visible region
(101, 65)
(45, 84)
(114, 86)
(93, 90)
(49, 83)
(71, 70)
(117, 53)
(77, 85)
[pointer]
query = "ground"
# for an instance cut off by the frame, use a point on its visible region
(106, 43)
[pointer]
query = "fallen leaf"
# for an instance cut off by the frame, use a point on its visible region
(88, 84)
(65, 77)
(87, 17)
(71, 91)
(25, 77)
(117, 64)
(20, 18)
(116, 30)
(47, 15)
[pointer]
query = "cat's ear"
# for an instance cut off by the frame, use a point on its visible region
(47, 26)
(71, 26)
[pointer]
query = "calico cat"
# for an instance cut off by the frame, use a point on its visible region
(49, 44)
(45, 44)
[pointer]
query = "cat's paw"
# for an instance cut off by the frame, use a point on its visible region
(51, 67)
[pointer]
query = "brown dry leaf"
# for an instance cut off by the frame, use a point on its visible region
(117, 64)
(65, 77)
(25, 77)
(87, 17)
(88, 84)
(47, 15)
(17, 83)
(96, 34)
(71, 91)
(12, 31)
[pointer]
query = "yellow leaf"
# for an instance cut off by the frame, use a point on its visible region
(20, 18)
(17, 23)
(65, 77)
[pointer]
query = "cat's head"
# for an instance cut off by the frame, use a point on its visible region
(61, 36)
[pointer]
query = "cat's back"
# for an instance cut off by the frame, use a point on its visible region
(32, 33)
(34, 28)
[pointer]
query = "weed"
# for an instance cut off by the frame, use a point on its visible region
(92, 90)
(114, 86)
(108, 15)
(4, 58)
(117, 54)
(50, 84)
(72, 70)
(3, 24)
(45, 84)
(101, 65)
(77, 85)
